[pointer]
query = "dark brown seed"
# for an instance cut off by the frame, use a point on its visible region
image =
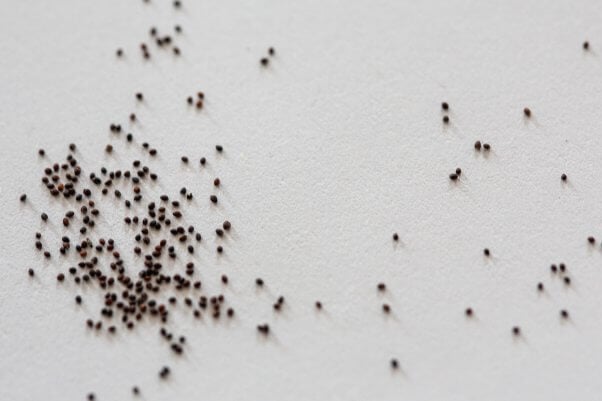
(453, 176)
(78, 299)
(564, 314)
(445, 119)
(213, 198)
(44, 216)
(318, 305)
(394, 364)
(527, 112)
(468, 312)
(516, 331)
(586, 45)
(486, 146)
(271, 51)
(477, 145)
(216, 182)
(139, 96)
(386, 308)
(226, 225)
(395, 237)
(459, 171)
(264, 61)
(563, 177)
(258, 282)
(381, 287)
(119, 52)
(445, 106)
(540, 287)
(31, 272)
(23, 198)
(109, 149)
(486, 252)
(219, 148)
(591, 240)
(60, 277)
(220, 249)
(41, 152)
(567, 280)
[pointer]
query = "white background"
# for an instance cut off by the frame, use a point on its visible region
(335, 146)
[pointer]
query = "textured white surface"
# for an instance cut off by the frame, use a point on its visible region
(328, 152)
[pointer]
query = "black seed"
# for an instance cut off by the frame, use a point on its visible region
(445, 119)
(213, 198)
(527, 112)
(486, 252)
(394, 364)
(395, 237)
(585, 45)
(264, 61)
(23, 198)
(468, 312)
(445, 106)
(563, 177)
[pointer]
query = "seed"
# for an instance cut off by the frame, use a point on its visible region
(585, 45)
(540, 287)
(453, 176)
(219, 148)
(109, 148)
(459, 171)
(394, 364)
(60, 277)
(563, 177)
(445, 106)
(264, 61)
(381, 287)
(258, 281)
(91, 397)
(564, 314)
(139, 96)
(213, 198)
(226, 225)
(445, 119)
(516, 331)
(216, 182)
(184, 159)
(78, 299)
(44, 216)
(318, 305)
(31, 272)
(477, 145)
(486, 252)
(567, 281)
(386, 308)
(591, 240)
(119, 52)
(527, 112)
(220, 249)
(135, 390)
(41, 152)
(486, 146)
(271, 51)
(468, 312)
(23, 198)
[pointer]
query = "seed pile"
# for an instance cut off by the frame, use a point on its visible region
(165, 274)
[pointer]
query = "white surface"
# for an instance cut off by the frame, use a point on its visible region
(328, 152)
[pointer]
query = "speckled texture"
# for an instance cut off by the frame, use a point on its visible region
(335, 146)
